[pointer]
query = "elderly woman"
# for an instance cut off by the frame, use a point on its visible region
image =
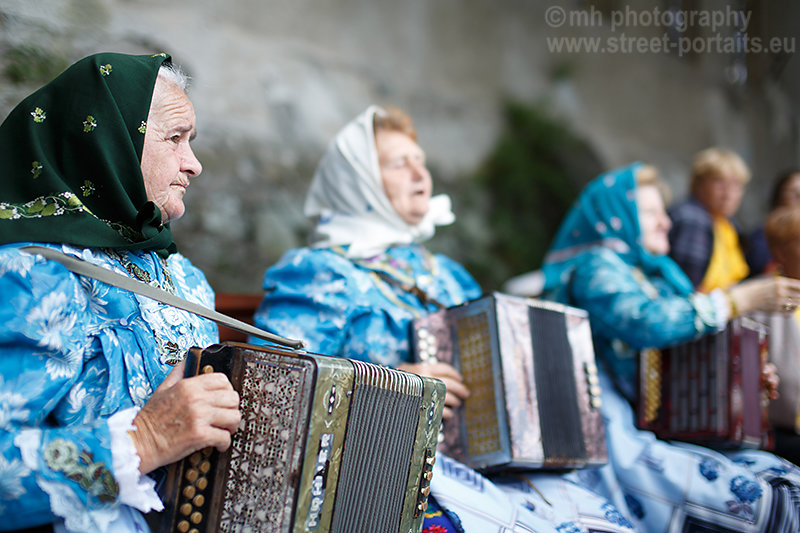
(704, 240)
(355, 291)
(96, 164)
(610, 258)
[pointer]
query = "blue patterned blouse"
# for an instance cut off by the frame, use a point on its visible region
(630, 312)
(74, 352)
(358, 309)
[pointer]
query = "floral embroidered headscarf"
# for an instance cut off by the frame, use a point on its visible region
(606, 214)
(70, 159)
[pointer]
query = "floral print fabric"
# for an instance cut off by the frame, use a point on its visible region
(73, 352)
(361, 310)
(661, 486)
(341, 307)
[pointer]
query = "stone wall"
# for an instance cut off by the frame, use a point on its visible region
(274, 80)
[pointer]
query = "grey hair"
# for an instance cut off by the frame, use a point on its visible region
(174, 74)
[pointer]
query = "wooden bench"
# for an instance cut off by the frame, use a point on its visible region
(241, 306)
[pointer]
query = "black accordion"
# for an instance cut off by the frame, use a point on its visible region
(708, 391)
(534, 393)
(325, 444)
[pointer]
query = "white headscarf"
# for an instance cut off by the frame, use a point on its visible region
(348, 196)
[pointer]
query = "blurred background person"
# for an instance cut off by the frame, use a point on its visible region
(609, 257)
(785, 192)
(704, 239)
(782, 232)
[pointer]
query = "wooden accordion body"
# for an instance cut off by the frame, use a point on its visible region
(530, 368)
(325, 445)
(709, 390)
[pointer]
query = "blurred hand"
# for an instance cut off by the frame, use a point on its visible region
(456, 390)
(770, 380)
(772, 294)
(183, 416)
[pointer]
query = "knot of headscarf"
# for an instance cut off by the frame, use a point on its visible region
(70, 158)
(348, 196)
(606, 215)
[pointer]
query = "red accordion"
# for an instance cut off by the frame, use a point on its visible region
(708, 391)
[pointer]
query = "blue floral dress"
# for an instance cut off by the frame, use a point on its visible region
(668, 486)
(74, 353)
(638, 300)
(362, 309)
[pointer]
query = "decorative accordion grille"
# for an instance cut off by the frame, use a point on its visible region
(384, 414)
(267, 448)
(480, 415)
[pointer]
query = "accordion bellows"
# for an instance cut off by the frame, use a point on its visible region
(534, 393)
(325, 444)
(708, 390)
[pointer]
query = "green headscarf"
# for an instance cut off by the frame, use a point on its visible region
(70, 159)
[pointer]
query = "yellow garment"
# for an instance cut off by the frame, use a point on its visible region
(727, 265)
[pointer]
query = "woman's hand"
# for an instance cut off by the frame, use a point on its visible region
(772, 294)
(456, 390)
(770, 380)
(183, 416)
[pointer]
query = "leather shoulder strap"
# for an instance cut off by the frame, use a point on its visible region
(84, 268)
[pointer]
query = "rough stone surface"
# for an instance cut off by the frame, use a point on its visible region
(274, 80)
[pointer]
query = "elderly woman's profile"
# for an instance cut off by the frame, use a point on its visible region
(95, 165)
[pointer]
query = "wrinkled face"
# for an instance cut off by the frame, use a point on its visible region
(167, 160)
(653, 220)
(721, 194)
(790, 192)
(406, 180)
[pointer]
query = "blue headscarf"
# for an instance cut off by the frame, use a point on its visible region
(605, 214)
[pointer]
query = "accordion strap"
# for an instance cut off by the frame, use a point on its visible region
(414, 289)
(84, 268)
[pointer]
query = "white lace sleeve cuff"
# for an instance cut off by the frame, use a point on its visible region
(135, 489)
(722, 306)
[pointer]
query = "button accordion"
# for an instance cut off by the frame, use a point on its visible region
(530, 369)
(708, 391)
(325, 444)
